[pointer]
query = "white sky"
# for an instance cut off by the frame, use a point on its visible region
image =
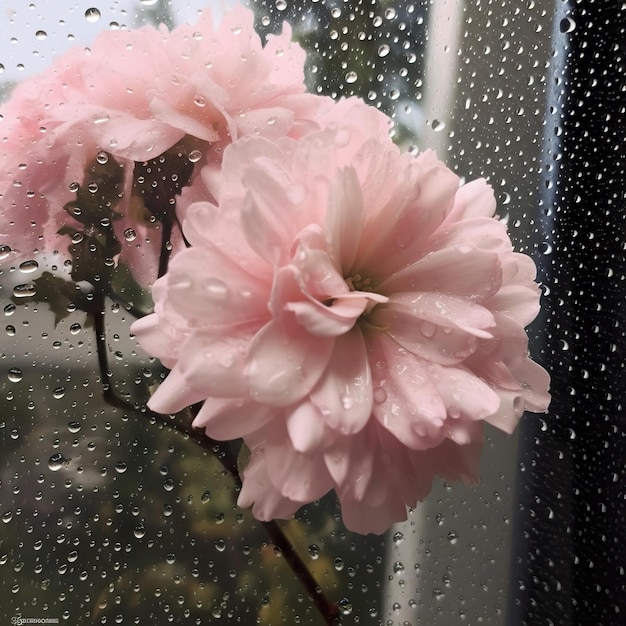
(33, 32)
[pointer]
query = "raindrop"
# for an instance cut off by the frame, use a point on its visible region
(7, 517)
(10, 330)
(102, 158)
(130, 234)
(56, 461)
(314, 551)
(58, 393)
(24, 291)
(398, 567)
(139, 532)
(41, 34)
(73, 426)
(194, 156)
(437, 125)
(383, 51)
(148, 3)
(220, 545)
(206, 497)
(29, 266)
(351, 77)
(281, 5)
(338, 564)
(398, 538)
(15, 374)
(452, 537)
(92, 15)
(567, 25)
(75, 329)
(121, 467)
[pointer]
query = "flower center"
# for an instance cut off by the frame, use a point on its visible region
(356, 282)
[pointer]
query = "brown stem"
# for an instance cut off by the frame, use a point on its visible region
(328, 610)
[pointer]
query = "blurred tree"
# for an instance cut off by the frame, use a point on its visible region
(371, 48)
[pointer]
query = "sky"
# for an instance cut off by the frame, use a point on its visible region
(33, 32)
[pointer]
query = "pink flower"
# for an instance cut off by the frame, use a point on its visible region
(353, 314)
(134, 95)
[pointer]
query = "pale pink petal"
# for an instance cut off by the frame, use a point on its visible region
(445, 310)
(174, 394)
(464, 394)
(343, 394)
(283, 368)
(460, 271)
(259, 492)
(517, 302)
(305, 425)
(406, 402)
(299, 477)
(344, 219)
(230, 418)
(535, 382)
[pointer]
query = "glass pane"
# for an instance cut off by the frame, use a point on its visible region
(114, 513)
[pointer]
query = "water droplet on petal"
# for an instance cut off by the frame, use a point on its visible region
(428, 329)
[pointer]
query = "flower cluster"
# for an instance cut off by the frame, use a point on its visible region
(351, 311)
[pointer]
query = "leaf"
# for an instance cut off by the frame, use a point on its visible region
(62, 296)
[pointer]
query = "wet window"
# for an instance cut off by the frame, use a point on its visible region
(118, 513)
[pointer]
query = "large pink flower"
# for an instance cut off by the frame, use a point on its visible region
(353, 314)
(134, 95)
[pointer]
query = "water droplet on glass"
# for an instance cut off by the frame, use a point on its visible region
(338, 564)
(102, 158)
(206, 497)
(281, 5)
(24, 291)
(139, 532)
(148, 3)
(130, 234)
(121, 467)
(437, 125)
(452, 537)
(56, 461)
(15, 374)
(428, 329)
(10, 330)
(351, 77)
(73, 426)
(58, 393)
(383, 51)
(92, 15)
(7, 517)
(314, 551)
(194, 156)
(567, 25)
(398, 538)
(29, 266)
(41, 34)
(75, 329)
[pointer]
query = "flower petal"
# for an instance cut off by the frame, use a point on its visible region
(406, 402)
(305, 425)
(445, 310)
(231, 418)
(343, 394)
(282, 368)
(463, 271)
(344, 219)
(443, 345)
